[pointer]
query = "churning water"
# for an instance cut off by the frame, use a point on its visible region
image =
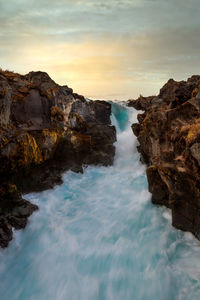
(98, 237)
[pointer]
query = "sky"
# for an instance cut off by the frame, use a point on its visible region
(103, 49)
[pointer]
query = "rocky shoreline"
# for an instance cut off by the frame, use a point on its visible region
(45, 129)
(169, 143)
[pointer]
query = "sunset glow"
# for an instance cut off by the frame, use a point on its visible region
(102, 49)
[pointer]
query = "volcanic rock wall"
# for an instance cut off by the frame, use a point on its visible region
(169, 142)
(45, 129)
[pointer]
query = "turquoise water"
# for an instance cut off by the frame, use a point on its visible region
(98, 237)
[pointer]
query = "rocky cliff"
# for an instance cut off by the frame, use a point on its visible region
(45, 129)
(169, 142)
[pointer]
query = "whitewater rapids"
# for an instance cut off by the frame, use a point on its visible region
(98, 237)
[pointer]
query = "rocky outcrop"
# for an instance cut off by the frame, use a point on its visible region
(169, 142)
(45, 129)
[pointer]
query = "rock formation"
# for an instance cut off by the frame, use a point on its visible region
(45, 129)
(169, 142)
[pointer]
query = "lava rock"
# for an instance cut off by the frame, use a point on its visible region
(169, 143)
(45, 129)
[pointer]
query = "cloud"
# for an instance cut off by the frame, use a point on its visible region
(102, 48)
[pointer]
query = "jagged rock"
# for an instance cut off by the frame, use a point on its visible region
(45, 129)
(142, 103)
(169, 142)
(157, 187)
(5, 232)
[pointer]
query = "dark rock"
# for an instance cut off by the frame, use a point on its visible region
(157, 187)
(45, 129)
(6, 233)
(142, 103)
(136, 129)
(169, 137)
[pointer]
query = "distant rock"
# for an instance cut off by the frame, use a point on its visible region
(45, 129)
(142, 103)
(169, 142)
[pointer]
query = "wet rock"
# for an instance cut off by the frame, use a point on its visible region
(136, 129)
(45, 129)
(169, 142)
(157, 187)
(6, 233)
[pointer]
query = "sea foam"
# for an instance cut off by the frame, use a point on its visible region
(98, 236)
